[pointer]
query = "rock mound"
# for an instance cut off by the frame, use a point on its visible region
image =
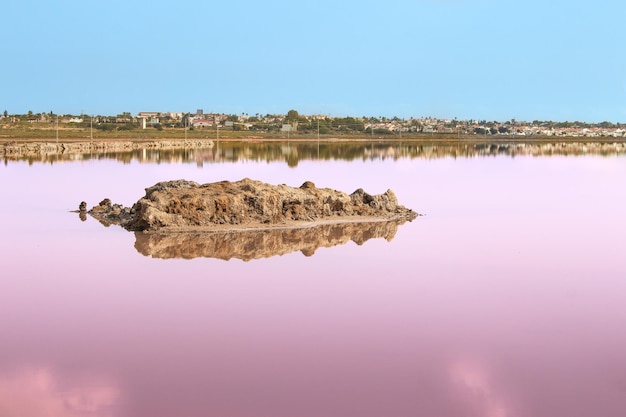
(186, 205)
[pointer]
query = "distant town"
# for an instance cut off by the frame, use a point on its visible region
(293, 122)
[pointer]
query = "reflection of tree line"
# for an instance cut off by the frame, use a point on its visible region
(294, 152)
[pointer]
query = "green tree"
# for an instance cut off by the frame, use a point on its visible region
(292, 119)
(5, 113)
(185, 120)
(323, 126)
(106, 127)
(292, 116)
(348, 124)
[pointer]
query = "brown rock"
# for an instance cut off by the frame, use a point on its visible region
(186, 205)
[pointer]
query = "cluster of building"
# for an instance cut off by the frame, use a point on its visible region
(201, 120)
(513, 128)
(396, 125)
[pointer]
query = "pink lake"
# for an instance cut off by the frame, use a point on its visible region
(507, 299)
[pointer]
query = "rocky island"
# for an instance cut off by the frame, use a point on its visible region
(181, 205)
(250, 219)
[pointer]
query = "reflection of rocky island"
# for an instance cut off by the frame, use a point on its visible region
(256, 244)
(235, 219)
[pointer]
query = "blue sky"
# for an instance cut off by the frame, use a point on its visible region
(470, 59)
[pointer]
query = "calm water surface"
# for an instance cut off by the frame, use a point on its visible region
(507, 299)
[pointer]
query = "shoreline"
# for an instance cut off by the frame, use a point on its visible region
(24, 147)
(7, 140)
(287, 225)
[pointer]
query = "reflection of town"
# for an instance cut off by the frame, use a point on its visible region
(262, 243)
(294, 152)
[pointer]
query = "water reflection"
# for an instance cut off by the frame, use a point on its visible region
(256, 244)
(39, 392)
(476, 390)
(507, 300)
(294, 152)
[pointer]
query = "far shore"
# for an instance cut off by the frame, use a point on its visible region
(206, 136)
(15, 147)
(11, 134)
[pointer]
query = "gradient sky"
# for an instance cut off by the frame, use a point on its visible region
(470, 59)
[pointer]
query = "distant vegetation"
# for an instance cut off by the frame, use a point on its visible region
(163, 125)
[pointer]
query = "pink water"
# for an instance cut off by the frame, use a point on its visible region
(507, 299)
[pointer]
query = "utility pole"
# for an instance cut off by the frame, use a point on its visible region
(318, 138)
(318, 131)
